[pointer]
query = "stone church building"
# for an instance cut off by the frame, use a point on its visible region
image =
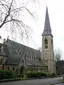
(17, 57)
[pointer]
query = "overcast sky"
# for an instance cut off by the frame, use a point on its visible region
(56, 15)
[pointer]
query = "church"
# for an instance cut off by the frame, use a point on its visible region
(17, 57)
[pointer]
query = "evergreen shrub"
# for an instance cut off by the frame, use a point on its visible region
(36, 74)
(5, 74)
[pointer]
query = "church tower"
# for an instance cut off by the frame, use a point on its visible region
(47, 45)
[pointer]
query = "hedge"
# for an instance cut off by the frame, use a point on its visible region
(51, 75)
(36, 74)
(5, 74)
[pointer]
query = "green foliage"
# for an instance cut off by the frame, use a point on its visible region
(36, 74)
(25, 77)
(20, 75)
(5, 74)
(51, 75)
(40, 74)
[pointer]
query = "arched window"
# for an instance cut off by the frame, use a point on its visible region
(51, 43)
(46, 43)
(13, 69)
(1, 60)
(8, 68)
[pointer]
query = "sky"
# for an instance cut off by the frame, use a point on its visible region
(56, 16)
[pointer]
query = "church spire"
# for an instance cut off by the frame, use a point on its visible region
(47, 28)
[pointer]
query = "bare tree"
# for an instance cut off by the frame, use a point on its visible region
(57, 54)
(10, 15)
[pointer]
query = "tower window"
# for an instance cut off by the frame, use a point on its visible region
(46, 46)
(46, 43)
(52, 42)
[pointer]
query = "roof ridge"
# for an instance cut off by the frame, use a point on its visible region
(22, 44)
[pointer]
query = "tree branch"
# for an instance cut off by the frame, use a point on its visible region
(6, 15)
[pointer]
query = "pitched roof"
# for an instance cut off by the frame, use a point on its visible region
(17, 48)
(47, 27)
(13, 60)
(34, 63)
(18, 52)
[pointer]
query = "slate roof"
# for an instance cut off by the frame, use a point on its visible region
(18, 52)
(47, 27)
(13, 60)
(33, 63)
